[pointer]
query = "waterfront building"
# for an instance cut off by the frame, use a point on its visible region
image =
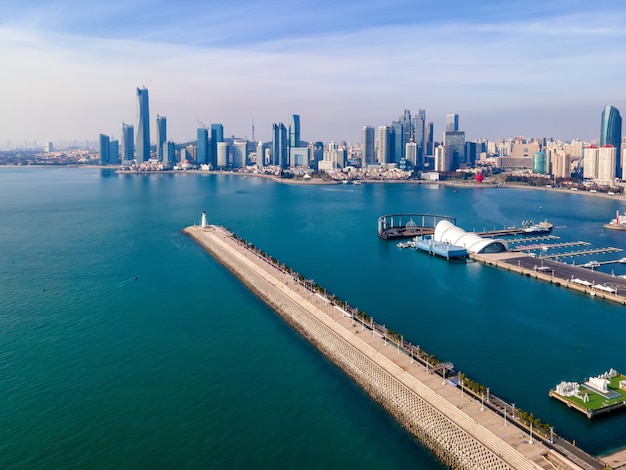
(169, 153)
(299, 157)
(607, 154)
(128, 143)
(444, 158)
(367, 146)
(456, 140)
(452, 122)
(470, 152)
(334, 157)
(202, 150)
(105, 148)
(318, 152)
(294, 130)
(411, 152)
(161, 136)
(418, 125)
(260, 154)
(143, 126)
(114, 152)
(611, 133)
(383, 145)
(222, 154)
(540, 165)
(429, 138)
(279, 145)
(240, 153)
(590, 162)
(217, 135)
(396, 142)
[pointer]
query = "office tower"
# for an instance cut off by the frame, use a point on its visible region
(456, 141)
(540, 163)
(114, 152)
(367, 146)
(143, 126)
(607, 155)
(407, 129)
(239, 150)
(169, 153)
(260, 154)
(418, 125)
(222, 154)
(396, 142)
(411, 153)
(128, 143)
(105, 149)
(452, 122)
(470, 153)
(318, 151)
(429, 138)
(217, 135)
(279, 145)
(294, 130)
(383, 145)
(161, 136)
(611, 133)
(202, 148)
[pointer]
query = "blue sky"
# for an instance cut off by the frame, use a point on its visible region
(70, 67)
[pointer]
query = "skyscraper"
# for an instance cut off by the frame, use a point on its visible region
(202, 152)
(383, 145)
(611, 133)
(279, 145)
(105, 149)
(368, 146)
(294, 130)
(161, 136)
(114, 152)
(418, 128)
(128, 142)
(396, 142)
(452, 122)
(429, 138)
(143, 126)
(217, 135)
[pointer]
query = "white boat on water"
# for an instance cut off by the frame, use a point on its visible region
(591, 265)
(528, 226)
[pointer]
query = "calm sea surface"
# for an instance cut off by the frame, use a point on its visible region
(123, 344)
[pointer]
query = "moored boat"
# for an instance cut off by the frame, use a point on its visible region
(618, 223)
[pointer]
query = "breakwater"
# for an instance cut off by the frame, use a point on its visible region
(462, 431)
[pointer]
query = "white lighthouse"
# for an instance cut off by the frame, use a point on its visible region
(203, 223)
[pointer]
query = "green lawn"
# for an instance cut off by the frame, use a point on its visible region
(597, 401)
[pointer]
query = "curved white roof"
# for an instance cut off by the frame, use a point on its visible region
(447, 232)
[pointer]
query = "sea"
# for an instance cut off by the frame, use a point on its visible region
(123, 344)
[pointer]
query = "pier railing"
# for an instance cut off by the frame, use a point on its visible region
(484, 395)
(409, 225)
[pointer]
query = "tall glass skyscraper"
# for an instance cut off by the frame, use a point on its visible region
(105, 149)
(418, 124)
(279, 145)
(143, 126)
(294, 130)
(217, 135)
(128, 142)
(161, 136)
(202, 150)
(452, 122)
(611, 133)
(368, 146)
(383, 144)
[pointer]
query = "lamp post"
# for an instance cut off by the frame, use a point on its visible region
(530, 441)
(482, 401)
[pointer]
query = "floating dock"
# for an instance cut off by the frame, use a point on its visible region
(445, 250)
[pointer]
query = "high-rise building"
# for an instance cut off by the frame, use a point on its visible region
(607, 155)
(114, 152)
(611, 133)
(161, 136)
(143, 126)
(202, 149)
(418, 128)
(279, 145)
(396, 142)
(368, 145)
(105, 149)
(452, 122)
(590, 162)
(169, 153)
(217, 135)
(456, 140)
(411, 153)
(429, 138)
(239, 149)
(383, 145)
(294, 130)
(222, 154)
(128, 143)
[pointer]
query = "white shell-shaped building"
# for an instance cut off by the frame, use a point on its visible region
(447, 232)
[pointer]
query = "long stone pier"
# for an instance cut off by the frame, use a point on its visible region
(460, 430)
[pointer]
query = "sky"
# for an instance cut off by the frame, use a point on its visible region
(69, 69)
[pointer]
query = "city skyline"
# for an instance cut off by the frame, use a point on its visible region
(520, 68)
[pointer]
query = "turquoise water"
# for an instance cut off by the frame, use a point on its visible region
(123, 344)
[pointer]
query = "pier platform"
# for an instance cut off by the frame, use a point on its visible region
(457, 427)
